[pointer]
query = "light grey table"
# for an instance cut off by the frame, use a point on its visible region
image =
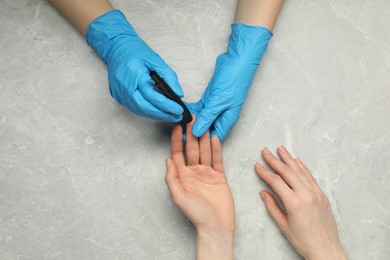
(82, 178)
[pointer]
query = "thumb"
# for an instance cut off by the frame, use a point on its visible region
(205, 119)
(274, 210)
(225, 122)
(171, 79)
(172, 181)
(194, 108)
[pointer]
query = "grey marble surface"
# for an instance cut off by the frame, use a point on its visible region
(82, 178)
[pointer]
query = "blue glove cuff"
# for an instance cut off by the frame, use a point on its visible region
(104, 29)
(250, 41)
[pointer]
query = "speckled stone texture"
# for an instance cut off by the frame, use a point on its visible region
(82, 178)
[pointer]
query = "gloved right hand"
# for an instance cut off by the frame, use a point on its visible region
(219, 108)
(129, 61)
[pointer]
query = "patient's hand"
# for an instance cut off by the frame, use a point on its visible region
(200, 189)
(308, 222)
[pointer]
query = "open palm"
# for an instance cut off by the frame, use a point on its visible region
(199, 188)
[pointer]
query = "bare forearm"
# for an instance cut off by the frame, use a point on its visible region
(336, 253)
(81, 12)
(258, 12)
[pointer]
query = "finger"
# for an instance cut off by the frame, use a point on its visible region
(274, 210)
(144, 108)
(286, 157)
(274, 181)
(205, 149)
(170, 77)
(184, 137)
(172, 181)
(177, 147)
(282, 169)
(217, 154)
(192, 145)
(307, 173)
(206, 117)
(155, 97)
(194, 108)
(225, 122)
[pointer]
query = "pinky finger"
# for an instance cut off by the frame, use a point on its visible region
(274, 210)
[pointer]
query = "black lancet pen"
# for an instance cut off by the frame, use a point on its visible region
(163, 87)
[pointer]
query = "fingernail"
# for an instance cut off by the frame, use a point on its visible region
(262, 195)
(216, 138)
(214, 133)
(282, 149)
(266, 151)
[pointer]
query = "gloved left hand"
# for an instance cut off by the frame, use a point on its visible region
(220, 106)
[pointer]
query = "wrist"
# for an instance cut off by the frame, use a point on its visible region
(214, 243)
(336, 253)
(249, 40)
(104, 29)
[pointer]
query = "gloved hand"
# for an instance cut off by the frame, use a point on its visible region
(129, 61)
(221, 103)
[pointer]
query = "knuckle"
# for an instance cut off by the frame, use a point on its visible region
(320, 199)
(283, 227)
(287, 169)
(294, 205)
(274, 161)
(130, 66)
(324, 200)
(276, 178)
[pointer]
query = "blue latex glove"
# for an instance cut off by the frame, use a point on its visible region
(221, 103)
(129, 61)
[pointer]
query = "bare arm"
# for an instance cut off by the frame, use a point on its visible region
(258, 12)
(81, 12)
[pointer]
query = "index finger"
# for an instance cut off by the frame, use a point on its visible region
(177, 146)
(282, 169)
(275, 182)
